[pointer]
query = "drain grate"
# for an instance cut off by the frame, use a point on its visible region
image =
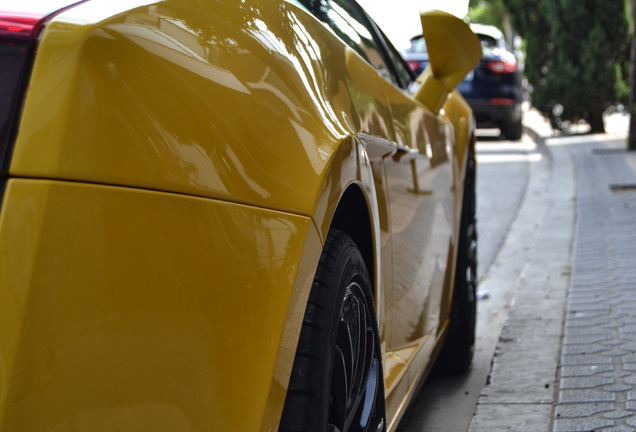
(623, 187)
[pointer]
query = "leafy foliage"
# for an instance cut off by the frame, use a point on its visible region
(488, 12)
(577, 56)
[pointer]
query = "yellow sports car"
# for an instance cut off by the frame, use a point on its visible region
(229, 215)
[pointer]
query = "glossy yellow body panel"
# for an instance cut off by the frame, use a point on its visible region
(113, 334)
(205, 86)
(458, 112)
(418, 181)
(177, 168)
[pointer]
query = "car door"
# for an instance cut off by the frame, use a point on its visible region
(420, 187)
(413, 179)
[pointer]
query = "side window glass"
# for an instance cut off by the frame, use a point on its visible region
(365, 45)
(347, 20)
(404, 72)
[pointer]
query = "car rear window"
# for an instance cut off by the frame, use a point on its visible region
(488, 44)
(418, 45)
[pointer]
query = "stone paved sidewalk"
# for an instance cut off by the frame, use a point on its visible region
(566, 359)
(597, 374)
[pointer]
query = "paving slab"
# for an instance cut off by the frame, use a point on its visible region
(490, 418)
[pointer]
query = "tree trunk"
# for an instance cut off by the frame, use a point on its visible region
(631, 140)
(596, 121)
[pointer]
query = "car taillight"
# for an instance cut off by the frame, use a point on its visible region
(17, 35)
(414, 64)
(18, 25)
(502, 101)
(501, 66)
(19, 32)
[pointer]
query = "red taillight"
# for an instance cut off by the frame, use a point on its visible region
(18, 32)
(502, 101)
(501, 66)
(414, 64)
(17, 25)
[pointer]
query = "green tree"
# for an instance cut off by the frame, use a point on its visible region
(489, 12)
(577, 56)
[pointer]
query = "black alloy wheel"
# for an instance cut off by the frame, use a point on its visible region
(336, 383)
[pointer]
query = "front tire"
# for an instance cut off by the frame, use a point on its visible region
(336, 382)
(459, 347)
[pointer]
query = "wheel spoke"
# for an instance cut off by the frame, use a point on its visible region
(361, 350)
(339, 391)
(353, 320)
(343, 342)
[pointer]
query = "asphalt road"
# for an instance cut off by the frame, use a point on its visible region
(447, 403)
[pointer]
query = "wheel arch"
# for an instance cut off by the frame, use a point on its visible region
(353, 217)
(348, 201)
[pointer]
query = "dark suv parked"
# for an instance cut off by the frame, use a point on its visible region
(493, 89)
